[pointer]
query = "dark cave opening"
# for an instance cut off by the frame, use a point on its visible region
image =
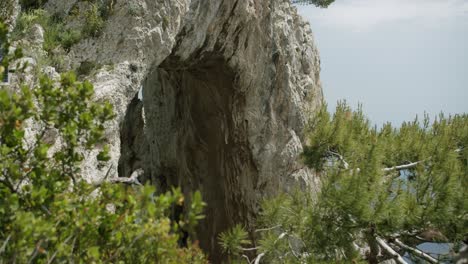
(197, 138)
(133, 148)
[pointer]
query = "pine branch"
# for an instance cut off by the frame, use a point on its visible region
(260, 256)
(416, 251)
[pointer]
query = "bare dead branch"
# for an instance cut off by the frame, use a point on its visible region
(267, 229)
(416, 251)
(249, 249)
(402, 167)
(390, 250)
(258, 258)
(132, 180)
(125, 180)
(343, 161)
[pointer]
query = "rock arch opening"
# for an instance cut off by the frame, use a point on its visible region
(197, 138)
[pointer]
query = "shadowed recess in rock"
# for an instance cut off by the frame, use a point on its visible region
(199, 141)
(132, 138)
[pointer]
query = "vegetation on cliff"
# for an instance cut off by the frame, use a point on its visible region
(319, 3)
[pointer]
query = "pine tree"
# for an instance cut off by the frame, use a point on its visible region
(383, 190)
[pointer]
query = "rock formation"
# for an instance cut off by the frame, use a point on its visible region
(227, 88)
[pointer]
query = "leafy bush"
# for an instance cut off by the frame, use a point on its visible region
(48, 213)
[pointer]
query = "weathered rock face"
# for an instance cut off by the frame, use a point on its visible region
(9, 10)
(228, 86)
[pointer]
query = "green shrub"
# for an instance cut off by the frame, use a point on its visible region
(86, 67)
(55, 32)
(68, 38)
(48, 214)
(94, 22)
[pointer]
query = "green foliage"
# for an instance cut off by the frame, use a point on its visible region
(232, 240)
(55, 32)
(319, 3)
(86, 67)
(94, 22)
(49, 214)
(104, 7)
(365, 194)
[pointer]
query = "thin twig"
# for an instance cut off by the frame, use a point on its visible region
(248, 249)
(267, 229)
(281, 236)
(247, 258)
(52, 258)
(2, 249)
(133, 179)
(36, 250)
(8, 184)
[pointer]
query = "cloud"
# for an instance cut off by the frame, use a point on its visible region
(364, 15)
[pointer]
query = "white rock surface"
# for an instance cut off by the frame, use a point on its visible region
(228, 88)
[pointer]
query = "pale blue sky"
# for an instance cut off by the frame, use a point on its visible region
(398, 58)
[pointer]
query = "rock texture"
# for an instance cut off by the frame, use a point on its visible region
(9, 10)
(228, 86)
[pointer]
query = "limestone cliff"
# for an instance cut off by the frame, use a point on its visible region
(228, 86)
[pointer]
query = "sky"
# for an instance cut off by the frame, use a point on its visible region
(398, 58)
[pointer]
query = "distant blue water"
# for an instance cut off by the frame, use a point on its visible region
(436, 250)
